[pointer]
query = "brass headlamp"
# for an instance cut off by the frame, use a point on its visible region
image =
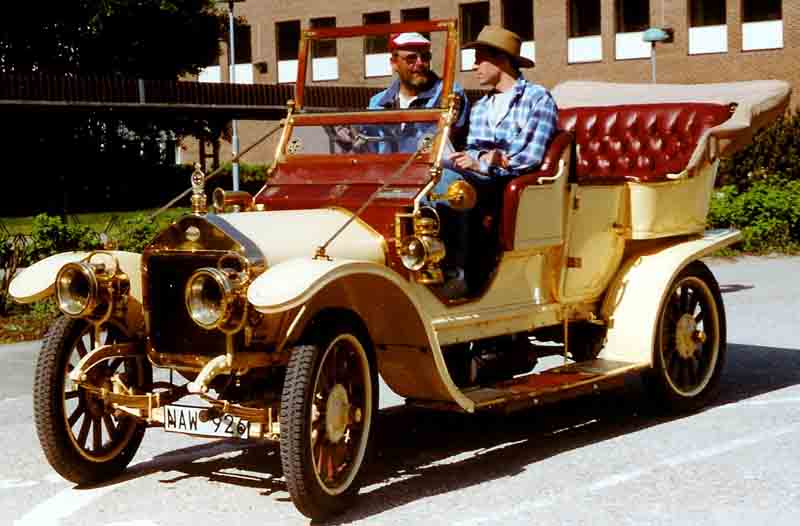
(215, 298)
(83, 287)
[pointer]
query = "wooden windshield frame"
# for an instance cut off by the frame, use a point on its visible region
(426, 26)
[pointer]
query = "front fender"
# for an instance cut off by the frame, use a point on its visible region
(37, 282)
(408, 352)
(636, 294)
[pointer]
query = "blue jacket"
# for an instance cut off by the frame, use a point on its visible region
(408, 137)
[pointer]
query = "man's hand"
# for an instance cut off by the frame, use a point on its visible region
(464, 161)
(492, 158)
(495, 158)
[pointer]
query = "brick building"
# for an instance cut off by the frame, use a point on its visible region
(714, 40)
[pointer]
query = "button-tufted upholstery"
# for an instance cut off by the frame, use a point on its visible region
(642, 142)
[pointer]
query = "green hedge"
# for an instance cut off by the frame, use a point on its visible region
(760, 190)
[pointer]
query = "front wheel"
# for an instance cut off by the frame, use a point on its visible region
(689, 351)
(83, 439)
(327, 407)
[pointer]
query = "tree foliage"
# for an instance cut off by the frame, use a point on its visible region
(137, 38)
(65, 162)
(774, 155)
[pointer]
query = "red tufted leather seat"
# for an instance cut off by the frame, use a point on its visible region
(638, 142)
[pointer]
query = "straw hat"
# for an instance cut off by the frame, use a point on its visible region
(501, 40)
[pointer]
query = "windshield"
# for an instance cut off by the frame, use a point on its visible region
(354, 139)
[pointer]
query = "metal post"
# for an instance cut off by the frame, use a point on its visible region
(234, 122)
(653, 59)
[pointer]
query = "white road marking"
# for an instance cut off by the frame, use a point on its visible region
(768, 401)
(17, 483)
(134, 523)
(61, 505)
(528, 506)
(68, 501)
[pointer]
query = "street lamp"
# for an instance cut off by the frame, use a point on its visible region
(232, 66)
(655, 35)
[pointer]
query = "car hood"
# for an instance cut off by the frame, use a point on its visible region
(286, 234)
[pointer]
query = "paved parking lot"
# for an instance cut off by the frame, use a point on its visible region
(598, 460)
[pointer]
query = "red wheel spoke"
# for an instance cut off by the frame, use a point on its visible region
(76, 414)
(81, 348)
(110, 427)
(84, 432)
(319, 456)
(97, 433)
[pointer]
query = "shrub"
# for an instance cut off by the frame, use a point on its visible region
(773, 155)
(768, 213)
(134, 233)
(50, 235)
(251, 176)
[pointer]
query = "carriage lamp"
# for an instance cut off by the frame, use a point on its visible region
(214, 301)
(423, 251)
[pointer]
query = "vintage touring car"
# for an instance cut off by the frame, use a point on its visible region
(276, 313)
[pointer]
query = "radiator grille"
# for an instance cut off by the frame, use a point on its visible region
(171, 329)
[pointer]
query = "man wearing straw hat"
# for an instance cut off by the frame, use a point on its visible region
(509, 130)
(511, 126)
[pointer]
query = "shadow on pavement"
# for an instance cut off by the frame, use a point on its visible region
(423, 453)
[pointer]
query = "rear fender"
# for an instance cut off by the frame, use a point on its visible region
(408, 352)
(636, 294)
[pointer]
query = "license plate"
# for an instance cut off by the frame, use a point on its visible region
(186, 419)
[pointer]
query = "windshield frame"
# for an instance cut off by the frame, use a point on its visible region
(426, 26)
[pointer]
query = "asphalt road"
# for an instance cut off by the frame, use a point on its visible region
(606, 459)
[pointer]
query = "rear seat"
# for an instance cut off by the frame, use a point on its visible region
(637, 142)
(618, 144)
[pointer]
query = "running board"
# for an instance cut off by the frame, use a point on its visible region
(551, 385)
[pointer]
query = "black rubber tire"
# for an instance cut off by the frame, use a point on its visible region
(55, 433)
(305, 486)
(699, 373)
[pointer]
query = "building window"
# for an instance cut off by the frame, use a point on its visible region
(633, 19)
(585, 42)
(762, 25)
(708, 32)
(324, 64)
(473, 17)
(518, 17)
(287, 35)
(415, 15)
(376, 48)
(243, 50)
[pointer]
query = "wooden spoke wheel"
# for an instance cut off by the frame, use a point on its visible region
(328, 403)
(689, 351)
(83, 439)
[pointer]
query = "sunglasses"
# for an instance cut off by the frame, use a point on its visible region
(412, 58)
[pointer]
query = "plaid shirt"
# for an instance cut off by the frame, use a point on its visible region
(522, 133)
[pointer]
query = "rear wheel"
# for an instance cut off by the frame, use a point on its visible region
(689, 351)
(82, 438)
(329, 400)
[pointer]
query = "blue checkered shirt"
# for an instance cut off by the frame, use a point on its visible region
(523, 133)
